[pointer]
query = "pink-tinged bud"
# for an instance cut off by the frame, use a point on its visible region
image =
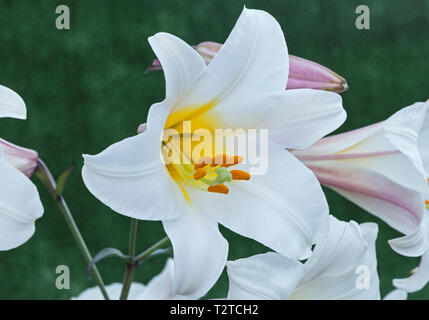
(142, 128)
(303, 73)
(25, 160)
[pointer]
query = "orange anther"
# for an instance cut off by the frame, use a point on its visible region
(202, 162)
(219, 188)
(219, 159)
(231, 161)
(238, 159)
(239, 175)
(200, 173)
(426, 201)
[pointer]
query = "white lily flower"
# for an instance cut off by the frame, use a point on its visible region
(285, 209)
(384, 168)
(343, 267)
(20, 204)
(159, 288)
(380, 168)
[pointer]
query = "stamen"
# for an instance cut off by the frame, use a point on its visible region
(240, 175)
(202, 162)
(232, 161)
(219, 159)
(199, 174)
(219, 188)
(427, 204)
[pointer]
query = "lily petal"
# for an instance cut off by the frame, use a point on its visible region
(113, 290)
(181, 63)
(11, 104)
(330, 273)
(332, 270)
(399, 206)
(196, 235)
(263, 277)
(20, 206)
(160, 287)
(414, 244)
(418, 279)
(131, 179)
(273, 208)
(403, 130)
(237, 81)
(396, 295)
(304, 117)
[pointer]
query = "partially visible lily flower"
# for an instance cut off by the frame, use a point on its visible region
(159, 288)
(25, 160)
(380, 168)
(303, 73)
(20, 204)
(342, 267)
(384, 168)
(284, 209)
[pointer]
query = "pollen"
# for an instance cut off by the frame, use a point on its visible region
(219, 188)
(240, 175)
(199, 174)
(202, 162)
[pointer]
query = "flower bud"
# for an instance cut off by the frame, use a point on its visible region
(21, 158)
(303, 73)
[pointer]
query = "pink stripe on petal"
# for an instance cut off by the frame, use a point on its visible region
(400, 207)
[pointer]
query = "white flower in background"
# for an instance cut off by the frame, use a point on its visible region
(284, 209)
(20, 204)
(344, 266)
(384, 169)
(159, 288)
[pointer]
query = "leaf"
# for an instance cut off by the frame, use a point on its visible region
(62, 181)
(107, 253)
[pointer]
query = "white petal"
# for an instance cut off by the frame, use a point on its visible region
(414, 244)
(200, 252)
(285, 209)
(418, 279)
(180, 62)
(264, 276)
(342, 142)
(20, 206)
(113, 290)
(160, 287)
(11, 104)
(243, 86)
(403, 130)
(396, 295)
(399, 206)
(304, 116)
(130, 177)
(332, 271)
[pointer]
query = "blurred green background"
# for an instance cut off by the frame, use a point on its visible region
(85, 89)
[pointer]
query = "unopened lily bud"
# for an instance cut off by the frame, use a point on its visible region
(21, 158)
(303, 73)
(142, 128)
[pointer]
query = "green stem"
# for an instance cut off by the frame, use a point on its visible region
(131, 267)
(46, 177)
(145, 254)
